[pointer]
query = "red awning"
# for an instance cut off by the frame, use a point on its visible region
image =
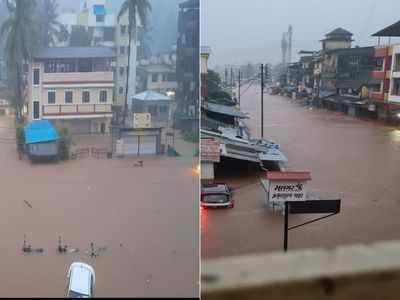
(283, 176)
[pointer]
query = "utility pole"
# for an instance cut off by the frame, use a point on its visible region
(239, 87)
(262, 101)
(226, 77)
(232, 80)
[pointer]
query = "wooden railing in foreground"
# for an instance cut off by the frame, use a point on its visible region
(349, 272)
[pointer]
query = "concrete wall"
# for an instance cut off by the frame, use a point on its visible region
(350, 272)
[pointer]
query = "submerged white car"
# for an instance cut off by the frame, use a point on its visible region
(81, 280)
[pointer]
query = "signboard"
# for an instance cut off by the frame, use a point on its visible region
(209, 150)
(286, 191)
(141, 120)
(315, 207)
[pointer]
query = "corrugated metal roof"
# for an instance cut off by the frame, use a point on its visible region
(40, 131)
(150, 96)
(224, 109)
(391, 30)
(74, 52)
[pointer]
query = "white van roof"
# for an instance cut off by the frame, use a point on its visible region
(80, 278)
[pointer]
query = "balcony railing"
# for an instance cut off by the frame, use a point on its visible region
(377, 96)
(78, 77)
(75, 109)
(378, 74)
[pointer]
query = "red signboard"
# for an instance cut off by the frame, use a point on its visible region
(209, 150)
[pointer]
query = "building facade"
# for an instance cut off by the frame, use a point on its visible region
(187, 65)
(158, 73)
(72, 87)
(105, 29)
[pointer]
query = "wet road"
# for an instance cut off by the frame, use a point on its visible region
(353, 159)
(145, 217)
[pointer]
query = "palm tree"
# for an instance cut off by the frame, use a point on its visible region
(138, 11)
(49, 28)
(20, 41)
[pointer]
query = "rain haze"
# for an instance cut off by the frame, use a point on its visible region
(251, 31)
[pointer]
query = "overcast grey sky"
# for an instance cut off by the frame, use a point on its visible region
(243, 31)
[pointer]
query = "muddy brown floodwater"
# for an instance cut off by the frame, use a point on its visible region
(354, 159)
(146, 218)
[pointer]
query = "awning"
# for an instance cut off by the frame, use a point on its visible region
(224, 109)
(325, 93)
(99, 10)
(40, 131)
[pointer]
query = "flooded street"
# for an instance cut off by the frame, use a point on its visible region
(145, 218)
(353, 159)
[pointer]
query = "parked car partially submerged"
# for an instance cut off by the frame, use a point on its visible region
(217, 195)
(81, 280)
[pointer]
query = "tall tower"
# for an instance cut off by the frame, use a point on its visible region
(290, 33)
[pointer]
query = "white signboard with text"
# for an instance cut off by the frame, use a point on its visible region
(281, 191)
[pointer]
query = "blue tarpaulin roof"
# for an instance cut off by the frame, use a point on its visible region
(40, 131)
(99, 10)
(150, 96)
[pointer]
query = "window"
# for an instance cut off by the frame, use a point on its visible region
(36, 76)
(68, 96)
(51, 97)
(85, 97)
(154, 77)
(123, 29)
(121, 70)
(164, 77)
(36, 107)
(397, 63)
(396, 87)
(163, 109)
(99, 18)
(122, 50)
(121, 90)
(103, 96)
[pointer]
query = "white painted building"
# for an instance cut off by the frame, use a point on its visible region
(72, 87)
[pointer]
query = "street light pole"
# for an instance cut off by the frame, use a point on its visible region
(262, 101)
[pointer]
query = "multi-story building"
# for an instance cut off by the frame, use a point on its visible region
(387, 71)
(72, 87)
(106, 29)
(158, 73)
(187, 65)
(205, 52)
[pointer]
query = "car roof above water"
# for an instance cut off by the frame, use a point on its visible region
(80, 278)
(214, 189)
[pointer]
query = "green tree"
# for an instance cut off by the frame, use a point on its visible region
(48, 26)
(138, 12)
(20, 36)
(214, 91)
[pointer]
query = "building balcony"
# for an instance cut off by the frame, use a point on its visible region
(380, 75)
(378, 96)
(97, 78)
(54, 111)
(381, 51)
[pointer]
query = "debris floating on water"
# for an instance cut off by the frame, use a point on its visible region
(28, 204)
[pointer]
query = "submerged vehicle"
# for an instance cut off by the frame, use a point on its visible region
(217, 195)
(81, 279)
